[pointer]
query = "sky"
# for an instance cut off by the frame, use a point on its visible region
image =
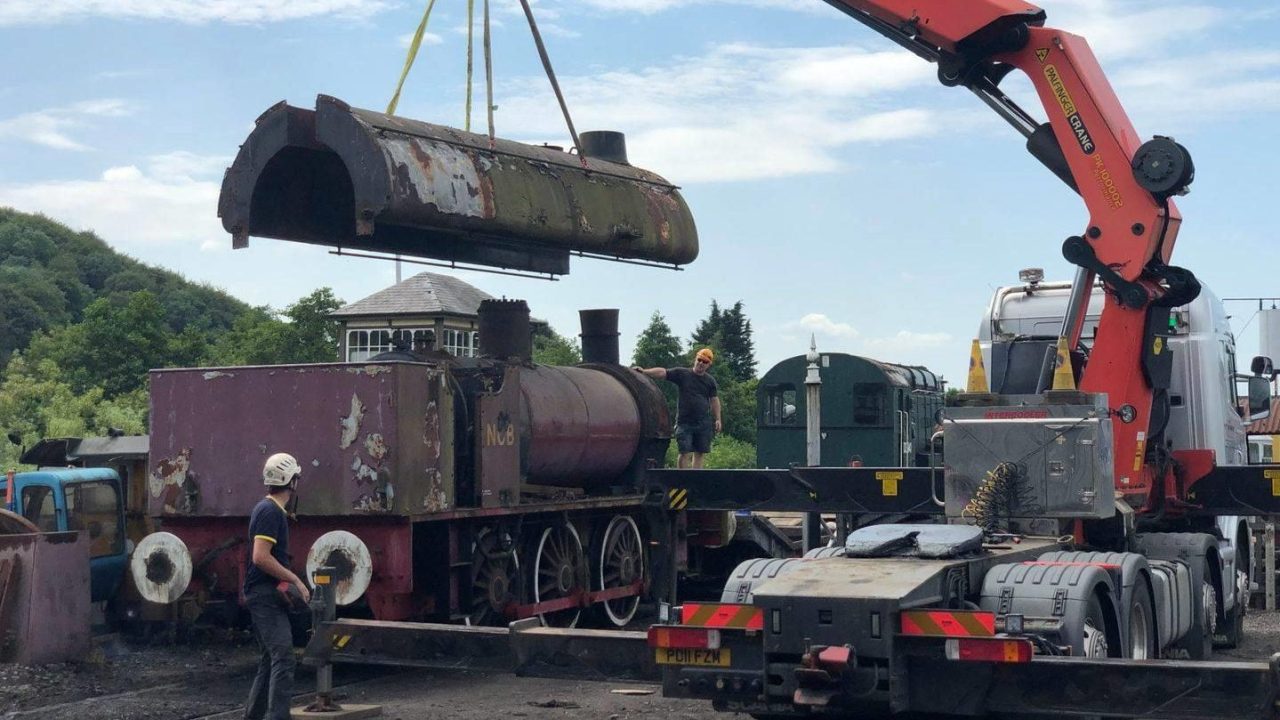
(841, 193)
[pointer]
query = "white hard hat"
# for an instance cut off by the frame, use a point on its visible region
(280, 470)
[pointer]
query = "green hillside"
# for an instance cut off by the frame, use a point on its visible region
(50, 273)
(81, 324)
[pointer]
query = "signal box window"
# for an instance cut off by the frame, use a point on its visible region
(868, 404)
(92, 510)
(780, 405)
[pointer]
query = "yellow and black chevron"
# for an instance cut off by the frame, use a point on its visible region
(677, 498)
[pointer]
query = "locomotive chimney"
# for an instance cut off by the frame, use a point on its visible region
(599, 336)
(605, 145)
(505, 332)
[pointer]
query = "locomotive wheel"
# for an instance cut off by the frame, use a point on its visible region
(559, 571)
(621, 565)
(494, 576)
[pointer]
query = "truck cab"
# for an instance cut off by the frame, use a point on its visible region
(85, 500)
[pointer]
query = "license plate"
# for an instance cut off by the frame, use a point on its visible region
(688, 656)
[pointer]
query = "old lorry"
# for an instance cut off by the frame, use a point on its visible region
(1090, 488)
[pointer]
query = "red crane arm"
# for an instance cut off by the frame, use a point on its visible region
(1091, 145)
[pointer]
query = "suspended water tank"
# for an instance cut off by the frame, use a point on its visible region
(356, 179)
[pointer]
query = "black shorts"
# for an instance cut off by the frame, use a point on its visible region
(695, 436)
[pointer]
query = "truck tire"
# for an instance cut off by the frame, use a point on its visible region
(1232, 630)
(1142, 627)
(1198, 641)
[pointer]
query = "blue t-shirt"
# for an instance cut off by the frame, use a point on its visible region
(270, 523)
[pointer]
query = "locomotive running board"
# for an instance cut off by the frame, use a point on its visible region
(856, 490)
(525, 648)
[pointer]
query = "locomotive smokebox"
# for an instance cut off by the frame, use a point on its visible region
(599, 335)
(505, 333)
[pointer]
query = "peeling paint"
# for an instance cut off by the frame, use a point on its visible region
(351, 423)
(435, 499)
(370, 370)
(436, 174)
(173, 482)
(375, 446)
(215, 374)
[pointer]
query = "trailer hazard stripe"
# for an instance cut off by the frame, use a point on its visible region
(744, 617)
(948, 623)
(677, 499)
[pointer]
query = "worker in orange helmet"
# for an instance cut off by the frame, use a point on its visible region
(698, 417)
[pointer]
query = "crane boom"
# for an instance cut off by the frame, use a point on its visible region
(1090, 143)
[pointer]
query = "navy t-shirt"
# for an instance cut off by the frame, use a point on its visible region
(270, 523)
(696, 392)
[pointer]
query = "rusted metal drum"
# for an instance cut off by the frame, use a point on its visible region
(583, 426)
(351, 178)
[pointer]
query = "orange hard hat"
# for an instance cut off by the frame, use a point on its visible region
(706, 354)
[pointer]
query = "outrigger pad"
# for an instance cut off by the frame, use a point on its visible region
(926, 541)
(356, 179)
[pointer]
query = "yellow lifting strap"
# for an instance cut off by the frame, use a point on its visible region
(1063, 377)
(412, 55)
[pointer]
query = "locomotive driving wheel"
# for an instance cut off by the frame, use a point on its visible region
(559, 572)
(495, 568)
(621, 565)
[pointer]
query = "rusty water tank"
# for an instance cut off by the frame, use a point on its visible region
(583, 426)
(357, 179)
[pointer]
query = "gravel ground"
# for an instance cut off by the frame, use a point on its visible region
(209, 677)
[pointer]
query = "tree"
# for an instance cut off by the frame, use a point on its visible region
(552, 348)
(656, 345)
(706, 331)
(738, 348)
(728, 333)
(315, 335)
(36, 402)
(112, 348)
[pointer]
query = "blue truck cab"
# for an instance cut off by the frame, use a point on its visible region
(86, 500)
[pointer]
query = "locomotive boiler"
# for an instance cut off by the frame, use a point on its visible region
(480, 489)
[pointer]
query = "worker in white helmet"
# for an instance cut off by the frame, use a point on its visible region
(269, 589)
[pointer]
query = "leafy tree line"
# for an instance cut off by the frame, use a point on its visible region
(728, 333)
(80, 326)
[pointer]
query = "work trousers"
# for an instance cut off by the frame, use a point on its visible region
(273, 686)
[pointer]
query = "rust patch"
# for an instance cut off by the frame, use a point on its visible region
(351, 423)
(343, 569)
(160, 568)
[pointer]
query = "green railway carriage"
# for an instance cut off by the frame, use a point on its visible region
(876, 412)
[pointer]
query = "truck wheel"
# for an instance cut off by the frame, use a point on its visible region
(1095, 631)
(1198, 642)
(1142, 629)
(1232, 630)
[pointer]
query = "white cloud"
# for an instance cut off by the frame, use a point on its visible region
(1133, 27)
(173, 201)
(51, 127)
(819, 324)
(738, 112)
(1193, 88)
(28, 12)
